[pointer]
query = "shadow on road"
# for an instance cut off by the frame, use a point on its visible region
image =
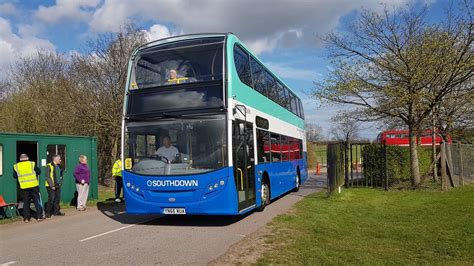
(197, 220)
(116, 211)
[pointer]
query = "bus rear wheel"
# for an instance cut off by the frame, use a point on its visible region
(297, 183)
(265, 195)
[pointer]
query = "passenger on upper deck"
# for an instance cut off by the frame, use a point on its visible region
(175, 78)
(167, 150)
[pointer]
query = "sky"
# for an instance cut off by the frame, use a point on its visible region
(285, 34)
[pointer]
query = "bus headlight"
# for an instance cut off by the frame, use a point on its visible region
(214, 186)
(128, 184)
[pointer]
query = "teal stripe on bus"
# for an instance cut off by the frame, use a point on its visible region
(251, 97)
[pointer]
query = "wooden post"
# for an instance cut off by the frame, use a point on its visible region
(449, 161)
(433, 147)
(346, 164)
(444, 185)
(357, 169)
(352, 169)
(386, 165)
(461, 170)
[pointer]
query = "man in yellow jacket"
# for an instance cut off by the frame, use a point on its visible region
(54, 181)
(117, 174)
(27, 174)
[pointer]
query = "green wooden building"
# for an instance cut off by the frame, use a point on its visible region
(41, 148)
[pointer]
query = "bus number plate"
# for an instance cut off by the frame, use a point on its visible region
(174, 211)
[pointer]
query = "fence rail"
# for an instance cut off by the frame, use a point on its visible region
(461, 160)
(377, 165)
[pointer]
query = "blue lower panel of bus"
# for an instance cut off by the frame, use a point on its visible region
(193, 193)
(151, 195)
(282, 176)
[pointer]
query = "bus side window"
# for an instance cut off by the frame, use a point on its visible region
(242, 65)
(258, 76)
(300, 146)
(275, 147)
(263, 146)
(287, 99)
(285, 148)
(270, 87)
(292, 147)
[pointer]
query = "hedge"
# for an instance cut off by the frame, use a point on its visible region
(398, 162)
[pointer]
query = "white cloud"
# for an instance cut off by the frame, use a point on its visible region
(76, 10)
(262, 45)
(13, 46)
(263, 25)
(7, 9)
(157, 32)
(111, 16)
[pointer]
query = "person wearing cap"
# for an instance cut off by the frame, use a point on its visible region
(54, 180)
(27, 174)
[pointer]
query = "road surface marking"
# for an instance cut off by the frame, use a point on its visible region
(108, 232)
(8, 263)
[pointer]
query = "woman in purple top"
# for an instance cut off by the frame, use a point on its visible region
(82, 174)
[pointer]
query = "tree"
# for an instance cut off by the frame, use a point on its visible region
(78, 95)
(35, 101)
(345, 128)
(313, 132)
(395, 66)
(99, 78)
(455, 111)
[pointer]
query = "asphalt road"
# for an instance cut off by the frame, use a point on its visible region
(109, 236)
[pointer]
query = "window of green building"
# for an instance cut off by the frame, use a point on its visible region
(56, 149)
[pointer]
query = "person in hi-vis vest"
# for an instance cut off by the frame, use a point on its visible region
(54, 180)
(117, 174)
(27, 174)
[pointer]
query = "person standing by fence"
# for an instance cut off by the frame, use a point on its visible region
(82, 174)
(117, 174)
(27, 174)
(54, 180)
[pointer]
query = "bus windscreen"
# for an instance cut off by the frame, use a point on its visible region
(177, 65)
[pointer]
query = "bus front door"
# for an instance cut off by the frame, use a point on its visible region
(244, 162)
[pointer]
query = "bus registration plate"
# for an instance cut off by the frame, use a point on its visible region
(174, 211)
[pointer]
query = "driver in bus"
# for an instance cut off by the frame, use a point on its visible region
(175, 78)
(167, 150)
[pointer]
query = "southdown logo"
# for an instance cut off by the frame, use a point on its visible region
(172, 183)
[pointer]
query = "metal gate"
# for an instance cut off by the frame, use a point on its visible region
(346, 165)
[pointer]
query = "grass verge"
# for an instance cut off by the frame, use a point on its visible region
(369, 226)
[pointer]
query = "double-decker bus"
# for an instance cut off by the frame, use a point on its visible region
(208, 129)
(399, 137)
